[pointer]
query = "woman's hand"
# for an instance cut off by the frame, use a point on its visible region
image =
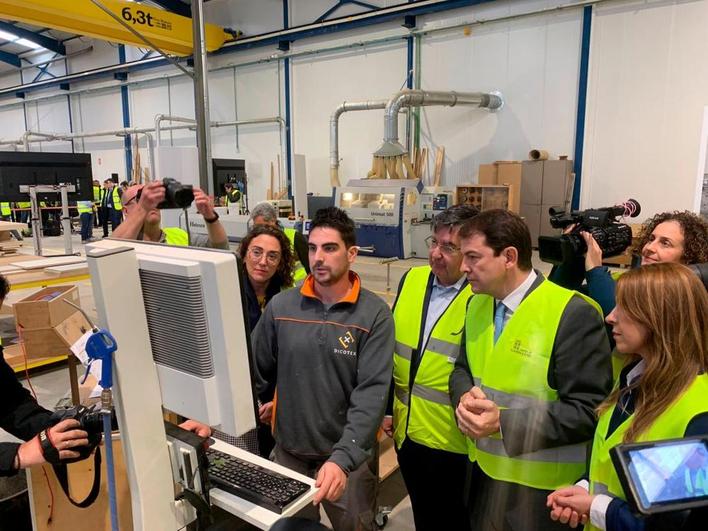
(593, 256)
(570, 505)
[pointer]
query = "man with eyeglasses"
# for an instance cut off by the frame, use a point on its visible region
(142, 219)
(429, 314)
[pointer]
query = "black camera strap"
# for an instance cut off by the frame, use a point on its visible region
(63, 478)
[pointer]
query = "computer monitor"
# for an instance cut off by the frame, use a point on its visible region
(193, 304)
(28, 168)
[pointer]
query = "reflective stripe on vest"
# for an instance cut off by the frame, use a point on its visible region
(84, 207)
(176, 236)
(299, 272)
(422, 412)
(514, 374)
(670, 424)
(5, 209)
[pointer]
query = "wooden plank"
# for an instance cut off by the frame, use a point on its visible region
(423, 171)
(49, 262)
(69, 268)
(410, 172)
(11, 225)
(439, 160)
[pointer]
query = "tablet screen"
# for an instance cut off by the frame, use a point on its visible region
(670, 472)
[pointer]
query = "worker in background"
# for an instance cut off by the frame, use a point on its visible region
(266, 214)
(535, 364)
(660, 323)
(97, 196)
(142, 219)
(232, 196)
(24, 215)
(85, 209)
(327, 347)
(113, 205)
(5, 211)
(429, 313)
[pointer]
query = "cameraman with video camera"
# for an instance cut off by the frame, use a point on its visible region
(667, 237)
(23, 417)
(142, 219)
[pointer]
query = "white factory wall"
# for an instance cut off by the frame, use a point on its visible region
(647, 89)
(646, 93)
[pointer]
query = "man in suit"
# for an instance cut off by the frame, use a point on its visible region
(535, 364)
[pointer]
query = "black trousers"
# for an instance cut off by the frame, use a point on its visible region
(502, 506)
(435, 480)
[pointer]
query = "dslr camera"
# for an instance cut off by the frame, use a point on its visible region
(91, 421)
(177, 195)
(612, 236)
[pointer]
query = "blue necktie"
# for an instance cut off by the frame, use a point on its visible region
(499, 314)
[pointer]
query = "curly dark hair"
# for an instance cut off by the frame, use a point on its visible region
(286, 267)
(695, 235)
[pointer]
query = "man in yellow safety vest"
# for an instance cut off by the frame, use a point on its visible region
(536, 364)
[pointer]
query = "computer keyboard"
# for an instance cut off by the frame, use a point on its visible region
(252, 482)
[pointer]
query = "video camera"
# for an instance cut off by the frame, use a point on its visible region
(612, 237)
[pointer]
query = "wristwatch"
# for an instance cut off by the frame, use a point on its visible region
(214, 219)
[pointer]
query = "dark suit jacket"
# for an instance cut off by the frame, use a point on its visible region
(580, 371)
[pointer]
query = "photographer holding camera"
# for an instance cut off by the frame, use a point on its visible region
(667, 237)
(23, 417)
(142, 219)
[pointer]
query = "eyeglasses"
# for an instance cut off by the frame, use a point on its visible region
(135, 198)
(256, 253)
(445, 248)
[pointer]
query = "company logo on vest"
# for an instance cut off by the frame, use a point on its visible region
(516, 348)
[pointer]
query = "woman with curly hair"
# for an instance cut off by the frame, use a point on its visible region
(268, 259)
(667, 237)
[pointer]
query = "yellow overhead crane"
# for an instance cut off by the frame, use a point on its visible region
(169, 31)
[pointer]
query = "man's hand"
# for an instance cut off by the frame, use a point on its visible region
(203, 203)
(570, 505)
(477, 417)
(331, 480)
(152, 195)
(64, 436)
(387, 425)
(593, 256)
(202, 430)
(265, 412)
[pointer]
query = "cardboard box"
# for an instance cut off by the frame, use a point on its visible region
(55, 341)
(503, 173)
(46, 308)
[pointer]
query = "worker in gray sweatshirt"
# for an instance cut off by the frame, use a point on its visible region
(325, 351)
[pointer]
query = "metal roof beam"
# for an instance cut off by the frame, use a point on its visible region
(175, 6)
(10, 58)
(44, 41)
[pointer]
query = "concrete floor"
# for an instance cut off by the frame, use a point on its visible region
(383, 280)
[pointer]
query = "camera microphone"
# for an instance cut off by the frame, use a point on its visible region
(630, 208)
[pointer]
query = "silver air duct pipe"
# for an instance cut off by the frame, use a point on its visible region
(346, 106)
(391, 147)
